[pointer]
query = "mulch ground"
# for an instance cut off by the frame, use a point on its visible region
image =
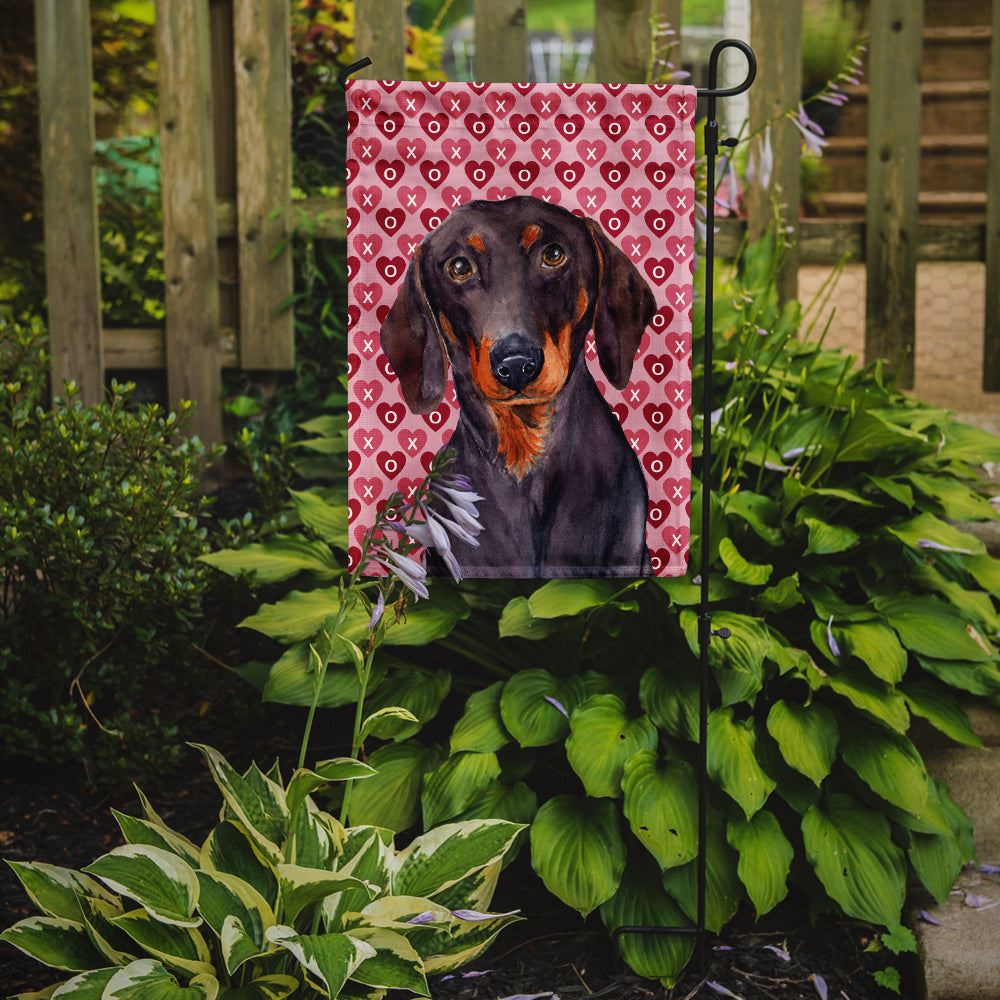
(550, 953)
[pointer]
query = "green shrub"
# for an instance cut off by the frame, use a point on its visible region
(855, 603)
(101, 584)
(279, 900)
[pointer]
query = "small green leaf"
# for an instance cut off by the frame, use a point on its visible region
(391, 798)
(518, 621)
(328, 521)
(828, 539)
(751, 574)
(807, 736)
(671, 700)
(765, 858)
(562, 598)
(535, 706)
(456, 784)
(888, 763)
(732, 760)
(481, 727)
(279, 558)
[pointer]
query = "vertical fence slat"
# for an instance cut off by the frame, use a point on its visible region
(261, 57)
(190, 252)
(776, 34)
(72, 256)
(668, 15)
(501, 41)
(893, 183)
(991, 332)
(380, 34)
(621, 40)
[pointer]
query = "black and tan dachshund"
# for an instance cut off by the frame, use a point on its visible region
(506, 291)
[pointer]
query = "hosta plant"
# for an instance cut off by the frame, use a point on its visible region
(279, 900)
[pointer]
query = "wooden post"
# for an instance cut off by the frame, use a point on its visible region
(190, 253)
(262, 61)
(776, 35)
(893, 184)
(667, 14)
(72, 255)
(501, 41)
(991, 333)
(380, 34)
(622, 40)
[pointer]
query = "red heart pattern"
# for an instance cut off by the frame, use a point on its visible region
(620, 154)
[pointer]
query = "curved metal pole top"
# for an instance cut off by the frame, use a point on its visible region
(355, 67)
(713, 91)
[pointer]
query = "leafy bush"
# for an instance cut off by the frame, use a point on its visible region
(279, 899)
(854, 600)
(99, 541)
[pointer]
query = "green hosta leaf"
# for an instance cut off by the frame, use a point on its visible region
(850, 848)
(807, 736)
(941, 709)
(279, 558)
(177, 947)
(956, 500)
(931, 628)
(965, 443)
(330, 959)
(440, 858)
(751, 574)
(986, 572)
(230, 849)
(141, 831)
(888, 763)
(641, 901)
(535, 706)
(602, 738)
(456, 784)
(327, 520)
(291, 680)
(723, 889)
(765, 858)
(147, 979)
(517, 620)
(516, 803)
(828, 539)
(976, 678)
(226, 898)
(56, 891)
(876, 646)
(301, 887)
(760, 512)
(927, 528)
(391, 798)
(159, 881)
(260, 806)
(975, 605)
(54, 941)
(387, 723)
(274, 987)
(481, 728)
(783, 595)
(560, 598)
(418, 691)
(661, 799)
(866, 692)
(937, 859)
(578, 851)
(395, 964)
(671, 700)
(738, 661)
(870, 436)
(732, 760)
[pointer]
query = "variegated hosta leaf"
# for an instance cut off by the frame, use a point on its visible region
(395, 964)
(535, 706)
(602, 737)
(661, 799)
(99, 915)
(300, 887)
(732, 760)
(256, 801)
(141, 831)
(367, 854)
(456, 784)
(147, 979)
(177, 947)
(328, 959)
(56, 891)
(304, 782)
(850, 847)
(765, 858)
(481, 727)
(86, 986)
(230, 849)
(642, 902)
(807, 736)
(466, 941)
(441, 857)
(158, 880)
(315, 838)
(275, 987)
(418, 691)
(578, 851)
(225, 897)
(54, 941)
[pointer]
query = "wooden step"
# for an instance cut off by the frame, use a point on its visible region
(957, 206)
(956, 53)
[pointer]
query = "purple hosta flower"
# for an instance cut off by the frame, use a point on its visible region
(475, 915)
(989, 869)
(727, 200)
(377, 612)
(427, 917)
(780, 952)
(760, 165)
(834, 648)
(927, 543)
(719, 988)
(409, 572)
(557, 704)
(812, 134)
(820, 984)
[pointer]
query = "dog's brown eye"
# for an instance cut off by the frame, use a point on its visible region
(553, 255)
(460, 269)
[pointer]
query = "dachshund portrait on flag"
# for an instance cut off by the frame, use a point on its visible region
(507, 292)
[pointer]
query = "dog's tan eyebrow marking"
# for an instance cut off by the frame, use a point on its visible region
(476, 242)
(531, 233)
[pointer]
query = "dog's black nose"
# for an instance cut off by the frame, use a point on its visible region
(515, 361)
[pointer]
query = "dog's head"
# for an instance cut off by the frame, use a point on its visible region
(507, 291)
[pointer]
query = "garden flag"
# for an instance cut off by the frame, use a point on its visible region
(520, 262)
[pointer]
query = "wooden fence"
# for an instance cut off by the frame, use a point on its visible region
(226, 160)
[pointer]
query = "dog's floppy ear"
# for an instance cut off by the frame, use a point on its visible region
(412, 342)
(625, 305)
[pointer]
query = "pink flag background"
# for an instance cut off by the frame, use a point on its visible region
(620, 154)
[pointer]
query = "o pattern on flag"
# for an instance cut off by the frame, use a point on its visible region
(520, 262)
